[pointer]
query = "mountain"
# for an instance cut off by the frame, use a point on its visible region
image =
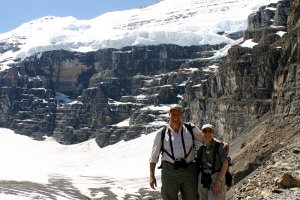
(238, 72)
(46, 59)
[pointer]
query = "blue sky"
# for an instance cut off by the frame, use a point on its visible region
(15, 12)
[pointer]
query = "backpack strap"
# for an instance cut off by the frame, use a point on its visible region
(216, 151)
(189, 127)
(162, 137)
(199, 157)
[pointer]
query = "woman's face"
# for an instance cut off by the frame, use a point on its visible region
(208, 134)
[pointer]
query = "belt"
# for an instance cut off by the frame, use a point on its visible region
(178, 165)
(172, 163)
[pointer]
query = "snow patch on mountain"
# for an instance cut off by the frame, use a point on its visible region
(184, 23)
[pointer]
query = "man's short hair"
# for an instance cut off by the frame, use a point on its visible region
(176, 107)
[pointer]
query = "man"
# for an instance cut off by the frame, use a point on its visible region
(179, 171)
(213, 160)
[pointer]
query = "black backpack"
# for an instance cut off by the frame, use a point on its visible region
(190, 127)
(228, 175)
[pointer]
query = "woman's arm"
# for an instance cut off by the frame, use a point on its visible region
(221, 178)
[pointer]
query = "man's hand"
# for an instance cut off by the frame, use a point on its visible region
(226, 146)
(153, 183)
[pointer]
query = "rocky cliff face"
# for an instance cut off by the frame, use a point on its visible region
(105, 87)
(268, 152)
(241, 91)
(286, 97)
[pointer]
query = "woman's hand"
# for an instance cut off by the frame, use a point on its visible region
(216, 188)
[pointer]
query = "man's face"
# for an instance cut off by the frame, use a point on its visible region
(175, 116)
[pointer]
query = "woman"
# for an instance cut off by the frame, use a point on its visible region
(213, 166)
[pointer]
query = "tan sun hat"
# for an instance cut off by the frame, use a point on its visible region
(207, 126)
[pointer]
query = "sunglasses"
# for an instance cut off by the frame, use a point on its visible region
(207, 131)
